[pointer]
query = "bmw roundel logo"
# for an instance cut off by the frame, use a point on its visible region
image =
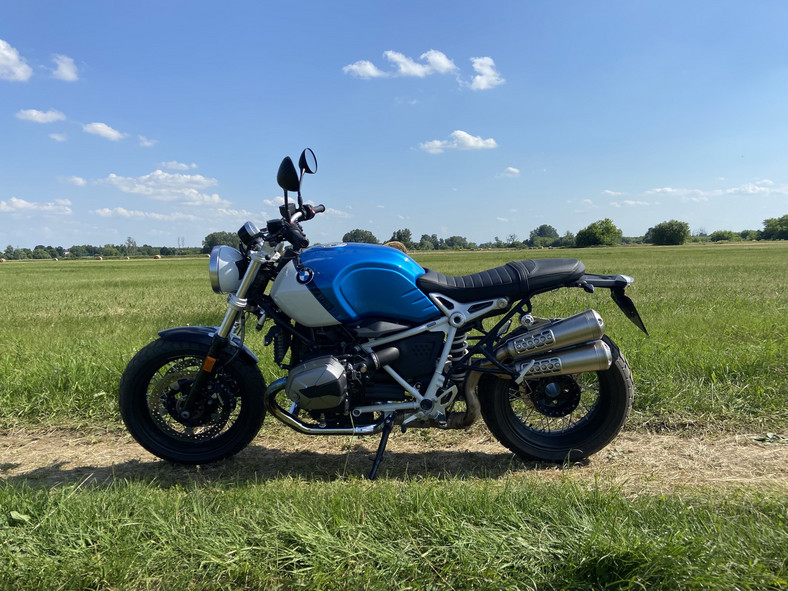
(304, 275)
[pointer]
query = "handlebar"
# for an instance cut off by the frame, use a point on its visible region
(291, 231)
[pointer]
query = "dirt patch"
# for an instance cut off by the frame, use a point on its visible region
(634, 461)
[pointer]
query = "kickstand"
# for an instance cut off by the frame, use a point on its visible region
(388, 424)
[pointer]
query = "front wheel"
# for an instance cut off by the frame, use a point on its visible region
(224, 420)
(560, 418)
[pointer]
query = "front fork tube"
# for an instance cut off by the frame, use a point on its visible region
(236, 304)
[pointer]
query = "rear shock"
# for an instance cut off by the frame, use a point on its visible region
(459, 348)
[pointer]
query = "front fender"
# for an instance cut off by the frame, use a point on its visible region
(204, 336)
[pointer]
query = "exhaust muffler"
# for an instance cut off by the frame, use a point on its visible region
(581, 328)
(594, 356)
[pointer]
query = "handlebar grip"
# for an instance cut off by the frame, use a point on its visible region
(296, 236)
(319, 208)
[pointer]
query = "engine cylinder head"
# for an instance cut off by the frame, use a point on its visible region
(318, 384)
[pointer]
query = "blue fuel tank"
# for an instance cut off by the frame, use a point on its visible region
(349, 282)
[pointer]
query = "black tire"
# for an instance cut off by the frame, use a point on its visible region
(591, 409)
(229, 417)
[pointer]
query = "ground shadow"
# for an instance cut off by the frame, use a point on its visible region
(258, 463)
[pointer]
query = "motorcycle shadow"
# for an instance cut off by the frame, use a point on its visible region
(258, 464)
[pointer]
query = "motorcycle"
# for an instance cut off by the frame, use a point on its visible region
(370, 340)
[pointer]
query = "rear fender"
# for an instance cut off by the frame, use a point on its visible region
(617, 285)
(204, 336)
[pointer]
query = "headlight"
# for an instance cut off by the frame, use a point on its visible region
(225, 269)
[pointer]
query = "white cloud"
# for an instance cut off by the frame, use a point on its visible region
(431, 62)
(628, 203)
(763, 188)
(59, 137)
(15, 205)
(438, 62)
(40, 116)
(502, 219)
(487, 76)
(104, 131)
(337, 213)
(12, 66)
(275, 202)
(459, 140)
(165, 186)
(122, 212)
(77, 181)
(610, 193)
(175, 165)
(241, 214)
(363, 69)
(511, 172)
(146, 143)
(66, 70)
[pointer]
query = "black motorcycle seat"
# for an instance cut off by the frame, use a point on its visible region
(514, 280)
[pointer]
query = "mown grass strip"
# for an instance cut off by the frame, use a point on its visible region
(420, 534)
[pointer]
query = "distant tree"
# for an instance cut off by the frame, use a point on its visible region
(403, 236)
(359, 235)
(425, 243)
(775, 228)
(40, 252)
(131, 246)
(456, 243)
(666, 233)
(9, 253)
(600, 233)
(544, 235)
(110, 251)
(719, 235)
(750, 235)
(567, 240)
(167, 251)
(219, 239)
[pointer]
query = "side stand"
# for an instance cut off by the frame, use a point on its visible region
(388, 424)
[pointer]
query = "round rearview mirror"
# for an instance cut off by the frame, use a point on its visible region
(287, 176)
(307, 162)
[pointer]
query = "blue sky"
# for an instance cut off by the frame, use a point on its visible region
(167, 120)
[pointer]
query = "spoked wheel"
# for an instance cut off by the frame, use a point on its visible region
(223, 421)
(560, 418)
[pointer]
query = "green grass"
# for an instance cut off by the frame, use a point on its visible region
(424, 534)
(716, 360)
(717, 315)
(717, 357)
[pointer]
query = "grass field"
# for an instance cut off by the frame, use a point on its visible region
(715, 362)
(717, 315)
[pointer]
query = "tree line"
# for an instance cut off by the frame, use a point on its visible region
(80, 251)
(600, 233)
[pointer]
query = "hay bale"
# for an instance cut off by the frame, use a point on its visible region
(2, 260)
(98, 258)
(128, 259)
(157, 257)
(398, 245)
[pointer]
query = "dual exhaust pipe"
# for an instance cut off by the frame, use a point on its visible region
(529, 351)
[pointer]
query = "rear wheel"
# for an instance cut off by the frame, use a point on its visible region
(225, 418)
(560, 418)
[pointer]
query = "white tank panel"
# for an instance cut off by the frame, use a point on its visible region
(295, 299)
